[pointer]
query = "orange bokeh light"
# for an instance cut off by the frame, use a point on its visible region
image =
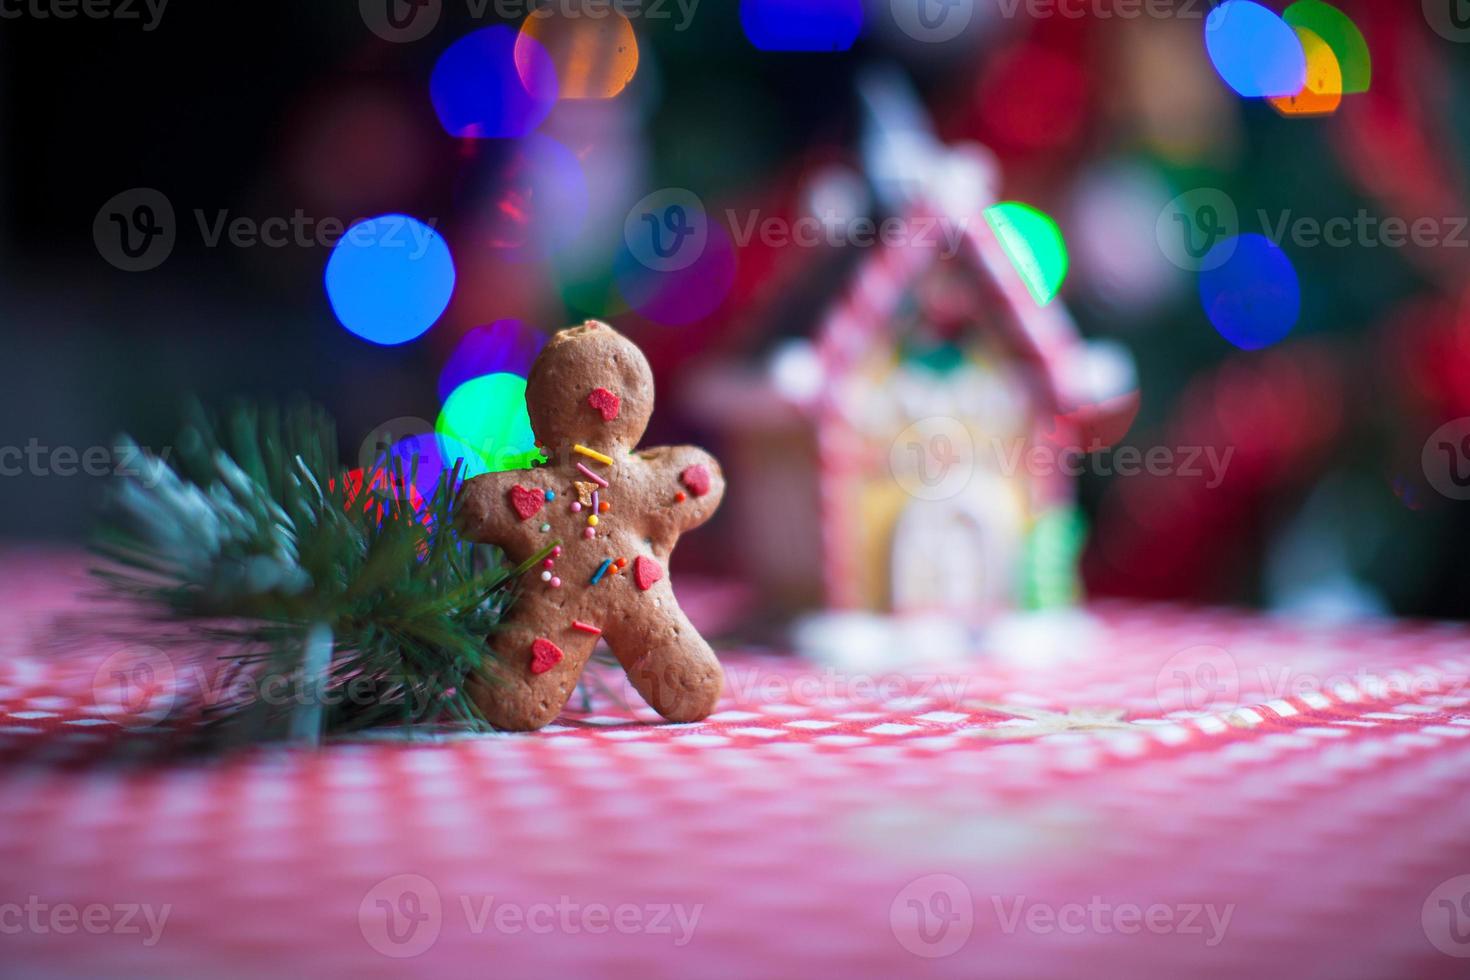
(595, 56)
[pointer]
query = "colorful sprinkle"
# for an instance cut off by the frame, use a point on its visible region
(622, 563)
(647, 572)
(546, 576)
(605, 402)
(592, 521)
(544, 655)
(697, 479)
(591, 475)
(681, 496)
(527, 503)
(590, 532)
(545, 527)
(576, 507)
(556, 552)
(596, 503)
(550, 495)
(548, 563)
(604, 507)
(555, 582)
(586, 627)
(601, 571)
(593, 454)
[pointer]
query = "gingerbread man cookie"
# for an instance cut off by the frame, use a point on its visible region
(617, 515)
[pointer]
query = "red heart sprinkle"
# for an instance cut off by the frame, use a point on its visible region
(646, 572)
(544, 656)
(696, 478)
(527, 503)
(605, 402)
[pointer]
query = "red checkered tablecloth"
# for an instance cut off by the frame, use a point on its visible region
(1173, 792)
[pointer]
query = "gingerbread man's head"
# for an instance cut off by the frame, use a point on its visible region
(590, 385)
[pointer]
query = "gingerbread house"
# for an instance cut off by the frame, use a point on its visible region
(903, 453)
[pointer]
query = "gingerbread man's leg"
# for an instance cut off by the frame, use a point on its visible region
(532, 674)
(667, 661)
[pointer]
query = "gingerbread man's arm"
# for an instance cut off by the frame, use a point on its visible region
(485, 515)
(690, 484)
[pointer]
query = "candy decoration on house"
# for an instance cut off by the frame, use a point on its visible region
(902, 465)
(610, 517)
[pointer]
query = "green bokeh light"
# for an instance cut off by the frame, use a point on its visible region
(1342, 36)
(487, 416)
(1034, 243)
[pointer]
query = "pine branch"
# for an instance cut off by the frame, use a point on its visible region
(254, 537)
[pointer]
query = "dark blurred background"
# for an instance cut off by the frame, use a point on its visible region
(1101, 119)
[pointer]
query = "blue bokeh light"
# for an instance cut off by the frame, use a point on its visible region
(484, 89)
(1255, 51)
(1253, 298)
(390, 278)
(802, 25)
(503, 347)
